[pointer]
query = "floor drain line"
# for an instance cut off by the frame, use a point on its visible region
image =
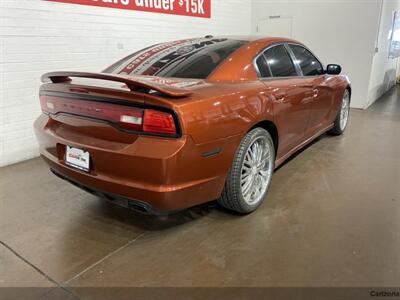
(36, 268)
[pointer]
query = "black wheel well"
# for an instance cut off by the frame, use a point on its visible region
(271, 128)
(349, 89)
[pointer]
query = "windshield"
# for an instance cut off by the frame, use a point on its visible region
(193, 58)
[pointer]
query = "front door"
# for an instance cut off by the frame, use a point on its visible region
(319, 88)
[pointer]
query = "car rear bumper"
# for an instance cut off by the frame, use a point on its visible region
(155, 174)
(136, 205)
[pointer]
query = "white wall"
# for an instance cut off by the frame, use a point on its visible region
(383, 73)
(339, 31)
(38, 36)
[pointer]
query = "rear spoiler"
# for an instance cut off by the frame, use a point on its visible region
(132, 82)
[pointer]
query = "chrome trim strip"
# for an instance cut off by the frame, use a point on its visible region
(294, 60)
(262, 53)
(308, 49)
(296, 65)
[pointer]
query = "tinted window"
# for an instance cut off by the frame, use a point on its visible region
(308, 63)
(262, 66)
(193, 58)
(280, 62)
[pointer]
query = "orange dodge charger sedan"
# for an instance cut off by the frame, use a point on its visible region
(186, 122)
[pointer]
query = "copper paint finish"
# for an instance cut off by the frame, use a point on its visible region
(172, 173)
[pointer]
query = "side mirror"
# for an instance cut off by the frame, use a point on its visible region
(333, 69)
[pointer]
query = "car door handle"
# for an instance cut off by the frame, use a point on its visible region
(280, 96)
(315, 93)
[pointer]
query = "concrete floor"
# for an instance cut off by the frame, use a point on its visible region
(331, 219)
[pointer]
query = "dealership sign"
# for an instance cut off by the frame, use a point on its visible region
(196, 8)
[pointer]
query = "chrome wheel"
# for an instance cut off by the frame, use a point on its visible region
(256, 171)
(344, 111)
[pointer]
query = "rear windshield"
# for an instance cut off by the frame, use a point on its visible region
(193, 58)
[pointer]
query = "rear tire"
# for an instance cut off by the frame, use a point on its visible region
(342, 117)
(249, 178)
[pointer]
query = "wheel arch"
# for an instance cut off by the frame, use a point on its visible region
(348, 87)
(272, 130)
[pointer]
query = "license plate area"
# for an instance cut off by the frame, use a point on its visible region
(77, 158)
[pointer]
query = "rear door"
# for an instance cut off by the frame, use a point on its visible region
(315, 79)
(290, 100)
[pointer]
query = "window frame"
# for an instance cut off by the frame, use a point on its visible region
(295, 59)
(258, 69)
(292, 58)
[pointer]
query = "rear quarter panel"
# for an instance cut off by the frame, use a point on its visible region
(224, 110)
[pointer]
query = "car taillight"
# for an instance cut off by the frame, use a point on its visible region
(125, 117)
(158, 122)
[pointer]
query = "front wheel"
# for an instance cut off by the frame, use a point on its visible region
(343, 115)
(249, 178)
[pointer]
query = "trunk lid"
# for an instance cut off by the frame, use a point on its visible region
(90, 104)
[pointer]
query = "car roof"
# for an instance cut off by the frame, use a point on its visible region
(235, 67)
(256, 38)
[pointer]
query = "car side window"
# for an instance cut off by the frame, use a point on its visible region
(279, 62)
(262, 66)
(309, 64)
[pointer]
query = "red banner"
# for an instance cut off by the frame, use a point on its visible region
(195, 8)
